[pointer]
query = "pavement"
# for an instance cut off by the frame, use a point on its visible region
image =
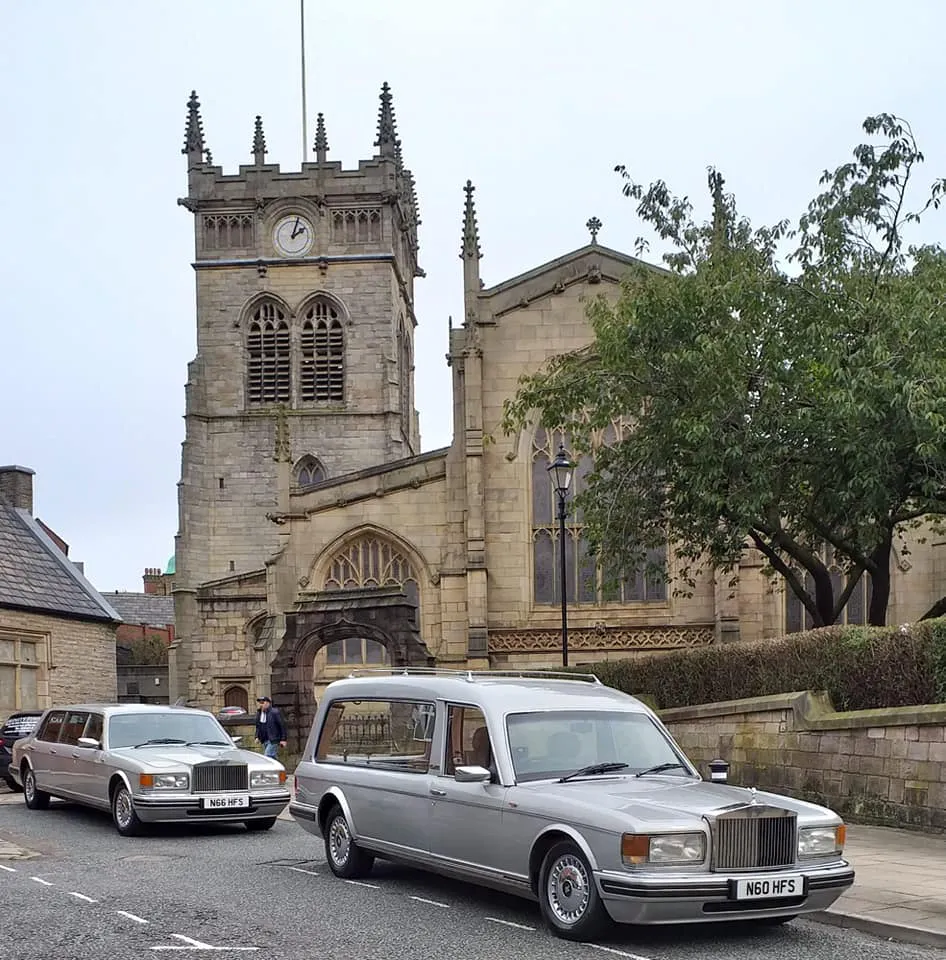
(899, 894)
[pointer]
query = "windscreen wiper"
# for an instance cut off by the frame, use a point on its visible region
(660, 768)
(593, 770)
(149, 743)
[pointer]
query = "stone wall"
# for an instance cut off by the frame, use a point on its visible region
(76, 657)
(875, 766)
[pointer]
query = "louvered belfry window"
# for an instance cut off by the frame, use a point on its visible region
(269, 368)
(322, 345)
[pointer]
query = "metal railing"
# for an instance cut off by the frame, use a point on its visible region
(473, 675)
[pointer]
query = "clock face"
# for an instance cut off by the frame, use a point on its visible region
(293, 236)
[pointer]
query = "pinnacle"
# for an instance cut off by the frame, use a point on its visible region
(194, 131)
(259, 142)
(471, 236)
(321, 139)
(387, 141)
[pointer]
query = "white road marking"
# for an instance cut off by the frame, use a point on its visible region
(131, 916)
(196, 945)
(619, 953)
(8, 869)
(45, 883)
(82, 896)
(358, 883)
(509, 923)
(311, 873)
(433, 903)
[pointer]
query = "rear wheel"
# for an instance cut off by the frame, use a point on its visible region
(256, 826)
(345, 858)
(35, 798)
(123, 812)
(568, 896)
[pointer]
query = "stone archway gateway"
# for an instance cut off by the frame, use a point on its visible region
(384, 614)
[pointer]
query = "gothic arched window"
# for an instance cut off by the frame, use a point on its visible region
(268, 356)
(586, 581)
(307, 471)
(797, 618)
(322, 346)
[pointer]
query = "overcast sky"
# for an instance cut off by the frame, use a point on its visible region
(534, 101)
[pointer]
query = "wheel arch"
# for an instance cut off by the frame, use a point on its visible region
(334, 797)
(552, 834)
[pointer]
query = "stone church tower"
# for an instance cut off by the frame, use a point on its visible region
(305, 345)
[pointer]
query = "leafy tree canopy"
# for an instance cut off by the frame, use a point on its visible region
(786, 384)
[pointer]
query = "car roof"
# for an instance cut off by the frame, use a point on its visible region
(120, 708)
(493, 690)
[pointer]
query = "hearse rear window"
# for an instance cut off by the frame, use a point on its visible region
(388, 734)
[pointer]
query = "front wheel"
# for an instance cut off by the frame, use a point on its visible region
(568, 897)
(255, 826)
(345, 858)
(35, 798)
(123, 812)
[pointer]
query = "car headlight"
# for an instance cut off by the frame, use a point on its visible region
(164, 781)
(821, 841)
(663, 848)
(267, 778)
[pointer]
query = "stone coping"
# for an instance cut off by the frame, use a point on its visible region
(814, 711)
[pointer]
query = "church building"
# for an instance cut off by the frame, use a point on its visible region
(315, 534)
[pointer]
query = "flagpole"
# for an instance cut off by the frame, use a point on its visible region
(305, 136)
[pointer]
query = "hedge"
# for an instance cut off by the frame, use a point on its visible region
(861, 668)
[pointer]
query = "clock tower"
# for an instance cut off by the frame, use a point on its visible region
(305, 343)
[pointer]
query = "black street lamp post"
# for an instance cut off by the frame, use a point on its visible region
(561, 470)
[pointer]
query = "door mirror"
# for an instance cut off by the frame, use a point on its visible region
(237, 741)
(472, 775)
(90, 742)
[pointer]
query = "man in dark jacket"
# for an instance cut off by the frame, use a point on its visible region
(270, 730)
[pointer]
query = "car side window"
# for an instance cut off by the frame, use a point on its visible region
(51, 727)
(95, 727)
(468, 742)
(73, 727)
(387, 734)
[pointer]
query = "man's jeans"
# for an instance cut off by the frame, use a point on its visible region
(271, 748)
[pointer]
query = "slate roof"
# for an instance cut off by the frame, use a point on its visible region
(136, 608)
(36, 575)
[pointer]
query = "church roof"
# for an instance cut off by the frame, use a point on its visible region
(36, 575)
(592, 261)
(137, 608)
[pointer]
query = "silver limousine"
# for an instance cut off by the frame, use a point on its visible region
(145, 764)
(560, 790)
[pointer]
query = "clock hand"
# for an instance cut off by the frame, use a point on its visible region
(297, 228)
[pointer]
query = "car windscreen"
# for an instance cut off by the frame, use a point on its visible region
(132, 729)
(551, 744)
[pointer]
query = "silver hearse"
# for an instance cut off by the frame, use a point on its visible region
(148, 763)
(560, 790)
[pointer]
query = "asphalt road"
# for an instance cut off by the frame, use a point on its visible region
(184, 890)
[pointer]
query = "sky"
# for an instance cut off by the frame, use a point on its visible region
(534, 102)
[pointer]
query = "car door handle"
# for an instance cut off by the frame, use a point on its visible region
(53, 752)
(434, 792)
(76, 756)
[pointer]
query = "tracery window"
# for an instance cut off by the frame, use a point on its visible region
(586, 580)
(361, 225)
(797, 618)
(406, 365)
(356, 650)
(370, 561)
(308, 471)
(322, 347)
(269, 365)
(226, 231)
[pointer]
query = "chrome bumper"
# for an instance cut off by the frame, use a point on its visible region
(153, 809)
(706, 897)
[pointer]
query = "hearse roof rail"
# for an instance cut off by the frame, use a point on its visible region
(473, 675)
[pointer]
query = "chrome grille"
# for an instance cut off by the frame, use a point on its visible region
(220, 777)
(754, 837)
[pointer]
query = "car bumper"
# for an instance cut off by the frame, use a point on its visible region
(706, 897)
(191, 810)
(11, 772)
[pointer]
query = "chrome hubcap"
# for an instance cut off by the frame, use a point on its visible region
(568, 889)
(339, 841)
(123, 808)
(29, 785)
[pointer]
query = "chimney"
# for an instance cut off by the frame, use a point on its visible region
(152, 581)
(16, 487)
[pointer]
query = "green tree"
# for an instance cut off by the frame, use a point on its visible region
(786, 385)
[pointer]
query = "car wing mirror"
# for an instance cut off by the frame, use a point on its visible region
(237, 741)
(90, 742)
(472, 775)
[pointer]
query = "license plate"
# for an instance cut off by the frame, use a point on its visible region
(770, 888)
(226, 803)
